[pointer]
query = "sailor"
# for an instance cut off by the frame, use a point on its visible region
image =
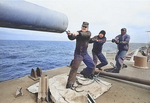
(82, 39)
(122, 42)
(98, 41)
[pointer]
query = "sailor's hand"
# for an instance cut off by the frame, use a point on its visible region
(75, 33)
(68, 32)
(96, 39)
(117, 42)
(113, 40)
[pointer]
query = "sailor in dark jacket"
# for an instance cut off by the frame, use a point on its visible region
(82, 39)
(122, 42)
(98, 41)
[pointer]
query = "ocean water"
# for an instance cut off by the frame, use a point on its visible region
(18, 57)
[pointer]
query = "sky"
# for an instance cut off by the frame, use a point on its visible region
(108, 15)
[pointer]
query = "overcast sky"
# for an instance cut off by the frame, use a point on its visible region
(108, 15)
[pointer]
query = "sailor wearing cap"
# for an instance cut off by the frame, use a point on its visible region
(122, 42)
(82, 39)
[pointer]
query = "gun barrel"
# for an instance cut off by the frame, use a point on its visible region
(25, 15)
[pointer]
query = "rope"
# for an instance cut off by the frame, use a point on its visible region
(84, 84)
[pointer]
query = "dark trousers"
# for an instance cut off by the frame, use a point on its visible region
(119, 59)
(75, 65)
(101, 58)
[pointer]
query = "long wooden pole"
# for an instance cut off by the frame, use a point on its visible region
(132, 79)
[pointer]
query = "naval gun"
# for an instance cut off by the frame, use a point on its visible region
(20, 14)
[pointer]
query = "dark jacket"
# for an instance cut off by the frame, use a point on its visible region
(82, 41)
(98, 44)
(123, 42)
